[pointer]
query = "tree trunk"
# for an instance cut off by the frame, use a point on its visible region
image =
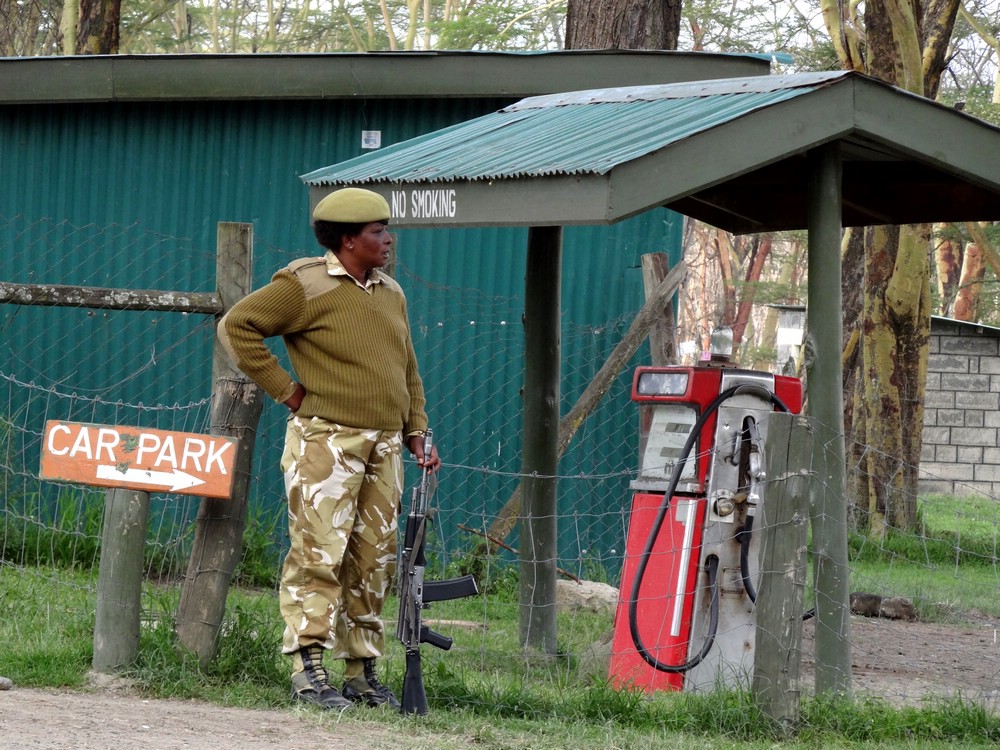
(726, 254)
(948, 261)
(69, 24)
(98, 32)
(789, 281)
(758, 256)
(976, 230)
(621, 24)
(852, 285)
(663, 334)
(938, 24)
(905, 46)
(894, 351)
(971, 283)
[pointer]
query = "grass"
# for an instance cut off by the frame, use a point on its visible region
(950, 570)
(938, 594)
(957, 532)
(487, 692)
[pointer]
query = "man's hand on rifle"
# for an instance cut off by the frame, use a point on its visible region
(415, 443)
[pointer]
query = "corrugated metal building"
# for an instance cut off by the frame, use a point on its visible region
(118, 169)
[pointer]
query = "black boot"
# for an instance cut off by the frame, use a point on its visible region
(366, 688)
(310, 684)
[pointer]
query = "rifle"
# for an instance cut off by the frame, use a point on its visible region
(415, 594)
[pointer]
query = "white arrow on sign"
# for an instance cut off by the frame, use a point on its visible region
(175, 480)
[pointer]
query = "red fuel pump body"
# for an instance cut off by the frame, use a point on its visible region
(710, 502)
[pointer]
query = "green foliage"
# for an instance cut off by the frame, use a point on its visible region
(46, 636)
(946, 570)
(64, 531)
(876, 721)
(943, 549)
(249, 669)
(495, 575)
(595, 570)
(819, 55)
(352, 27)
(975, 100)
(507, 25)
(260, 564)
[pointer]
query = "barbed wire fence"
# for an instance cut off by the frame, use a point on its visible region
(153, 369)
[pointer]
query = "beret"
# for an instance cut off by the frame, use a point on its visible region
(352, 206)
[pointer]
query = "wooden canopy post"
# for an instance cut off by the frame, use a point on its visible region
(540, 458)
(826, 405)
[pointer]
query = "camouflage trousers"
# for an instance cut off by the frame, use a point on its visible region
(343, 486)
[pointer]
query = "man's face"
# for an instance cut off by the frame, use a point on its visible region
(370, 248)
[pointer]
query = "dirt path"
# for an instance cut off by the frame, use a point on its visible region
(111, 720)
(902, 662)
(906, 663)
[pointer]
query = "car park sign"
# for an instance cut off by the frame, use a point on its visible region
(138, 458)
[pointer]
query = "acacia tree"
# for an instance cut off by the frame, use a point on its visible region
(730, 275)
(622, 24)
(734, 281)
(966, 256)
(29, 27)
(99, 25)
(887, 273)
(90, 27)
(48, 27)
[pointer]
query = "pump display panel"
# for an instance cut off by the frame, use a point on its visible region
(664, 430)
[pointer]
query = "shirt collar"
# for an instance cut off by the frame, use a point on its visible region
(335, 268)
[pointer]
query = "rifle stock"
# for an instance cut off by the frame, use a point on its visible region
(415, 594)
(414, 697)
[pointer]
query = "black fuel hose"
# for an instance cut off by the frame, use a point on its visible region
(743, 536)
(710, 568)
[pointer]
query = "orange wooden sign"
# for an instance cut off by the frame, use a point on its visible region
(137, 458)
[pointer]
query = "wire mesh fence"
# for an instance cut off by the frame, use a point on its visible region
(153, 369)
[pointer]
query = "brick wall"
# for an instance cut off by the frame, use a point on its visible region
(962, 410)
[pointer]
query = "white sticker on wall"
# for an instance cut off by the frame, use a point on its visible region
(371, 139)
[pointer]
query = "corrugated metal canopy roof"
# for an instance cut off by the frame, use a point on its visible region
(730, 152)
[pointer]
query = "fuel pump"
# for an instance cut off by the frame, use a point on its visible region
(685, 618)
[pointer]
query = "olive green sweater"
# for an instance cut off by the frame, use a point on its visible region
(350, 347)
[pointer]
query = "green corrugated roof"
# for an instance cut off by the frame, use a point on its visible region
(733, 153)
(584, 132)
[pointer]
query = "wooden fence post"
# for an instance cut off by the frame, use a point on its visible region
(782, 522)
(236, 407)
(119, 579)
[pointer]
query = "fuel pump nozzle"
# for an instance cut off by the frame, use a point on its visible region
(755, 462)
(755, 476)
(751, 452)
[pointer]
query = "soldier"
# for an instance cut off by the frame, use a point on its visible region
(355, 400)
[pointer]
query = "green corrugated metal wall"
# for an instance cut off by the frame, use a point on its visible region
(111, 194)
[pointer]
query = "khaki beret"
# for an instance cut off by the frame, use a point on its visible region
(352, 206)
